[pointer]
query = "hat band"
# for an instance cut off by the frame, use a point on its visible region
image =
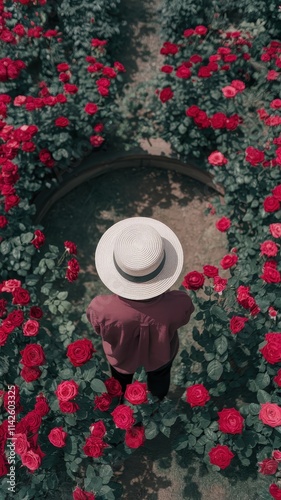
(140, 279)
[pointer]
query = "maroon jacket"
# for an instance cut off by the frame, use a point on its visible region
(140, 333)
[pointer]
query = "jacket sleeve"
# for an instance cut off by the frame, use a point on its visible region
(92, 317)
(188, 309)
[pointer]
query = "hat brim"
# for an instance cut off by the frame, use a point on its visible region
(139, 291)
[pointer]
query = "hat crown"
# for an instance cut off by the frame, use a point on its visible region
(138, 250)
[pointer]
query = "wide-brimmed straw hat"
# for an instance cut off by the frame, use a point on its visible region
(139, 258)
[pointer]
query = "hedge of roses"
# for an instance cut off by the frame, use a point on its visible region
(62, 417)
(218, 99)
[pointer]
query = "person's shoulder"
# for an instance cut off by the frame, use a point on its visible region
(101, 301)
(178, 297)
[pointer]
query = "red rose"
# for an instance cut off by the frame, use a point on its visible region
(80, 351)
(70, 247)
(193, 280)
(33, 355)
(275, 491)
(189, 32)
(31, 460)
(202, 120)
(271, 275)
(228, 261)
(30, 328)
(169, 48)
(98, 429)
(45, 155)
(16, 317)
(3, 221)
(79, 494)
(201, 30)
(269, 248)
(32, 421)
(35, 312)
(62, 121)
(67, 390)
(166, 94)
(254, 156)
(102, 402)
(98, 127)
(217, 159)
(3, 466)
(94, 447)
(57, 437)
(39, 239)
(232, 122)
(41, 405)
(238, 84)
(275, 229)
(277, 378)
(70, 88)
(72, 270)
(210, 271)
(204, 72)
(183, 72)
(270, 414)
(277, 192)
(135, 437)
(229, 91)
(21, 443)
(68, 406)
(272, 350)
(136, 393)
(119, 66)
(167, 68)
(271, 204)
(197, 395)
(230, 421)
(91, 108)
(276, 454)
(63, 67)
(123, 417)
(218, 120)
(113, 387)
(29, 374)
(221, 456)
(223, 224)
(96, 140)
(268, 466)
(192, 111)
(237, 324)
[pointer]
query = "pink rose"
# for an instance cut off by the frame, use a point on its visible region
(229, 91)
(30, 328)
(217, 159)
(67, 390)
(275, 229)
(270, 414)
(57, 437)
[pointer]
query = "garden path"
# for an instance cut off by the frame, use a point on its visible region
(153, 472)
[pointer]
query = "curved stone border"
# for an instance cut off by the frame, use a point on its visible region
(93, 168)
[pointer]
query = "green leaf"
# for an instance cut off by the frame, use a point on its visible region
(27, 237)
(151, 430)
(62, 295)
(5, 247)
(215, 369)
(98, 386)
(219, 313)
(263, 396)
(221, 344)
(262, 380)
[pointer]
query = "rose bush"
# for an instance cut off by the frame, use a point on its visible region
(224, 111)
(58, 85)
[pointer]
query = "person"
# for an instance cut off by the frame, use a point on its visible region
(139, 259)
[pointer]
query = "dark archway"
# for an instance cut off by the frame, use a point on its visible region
(105, 163)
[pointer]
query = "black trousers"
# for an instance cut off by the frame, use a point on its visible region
(158, 381)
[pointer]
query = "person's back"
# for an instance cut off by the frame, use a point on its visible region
(139, 259)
